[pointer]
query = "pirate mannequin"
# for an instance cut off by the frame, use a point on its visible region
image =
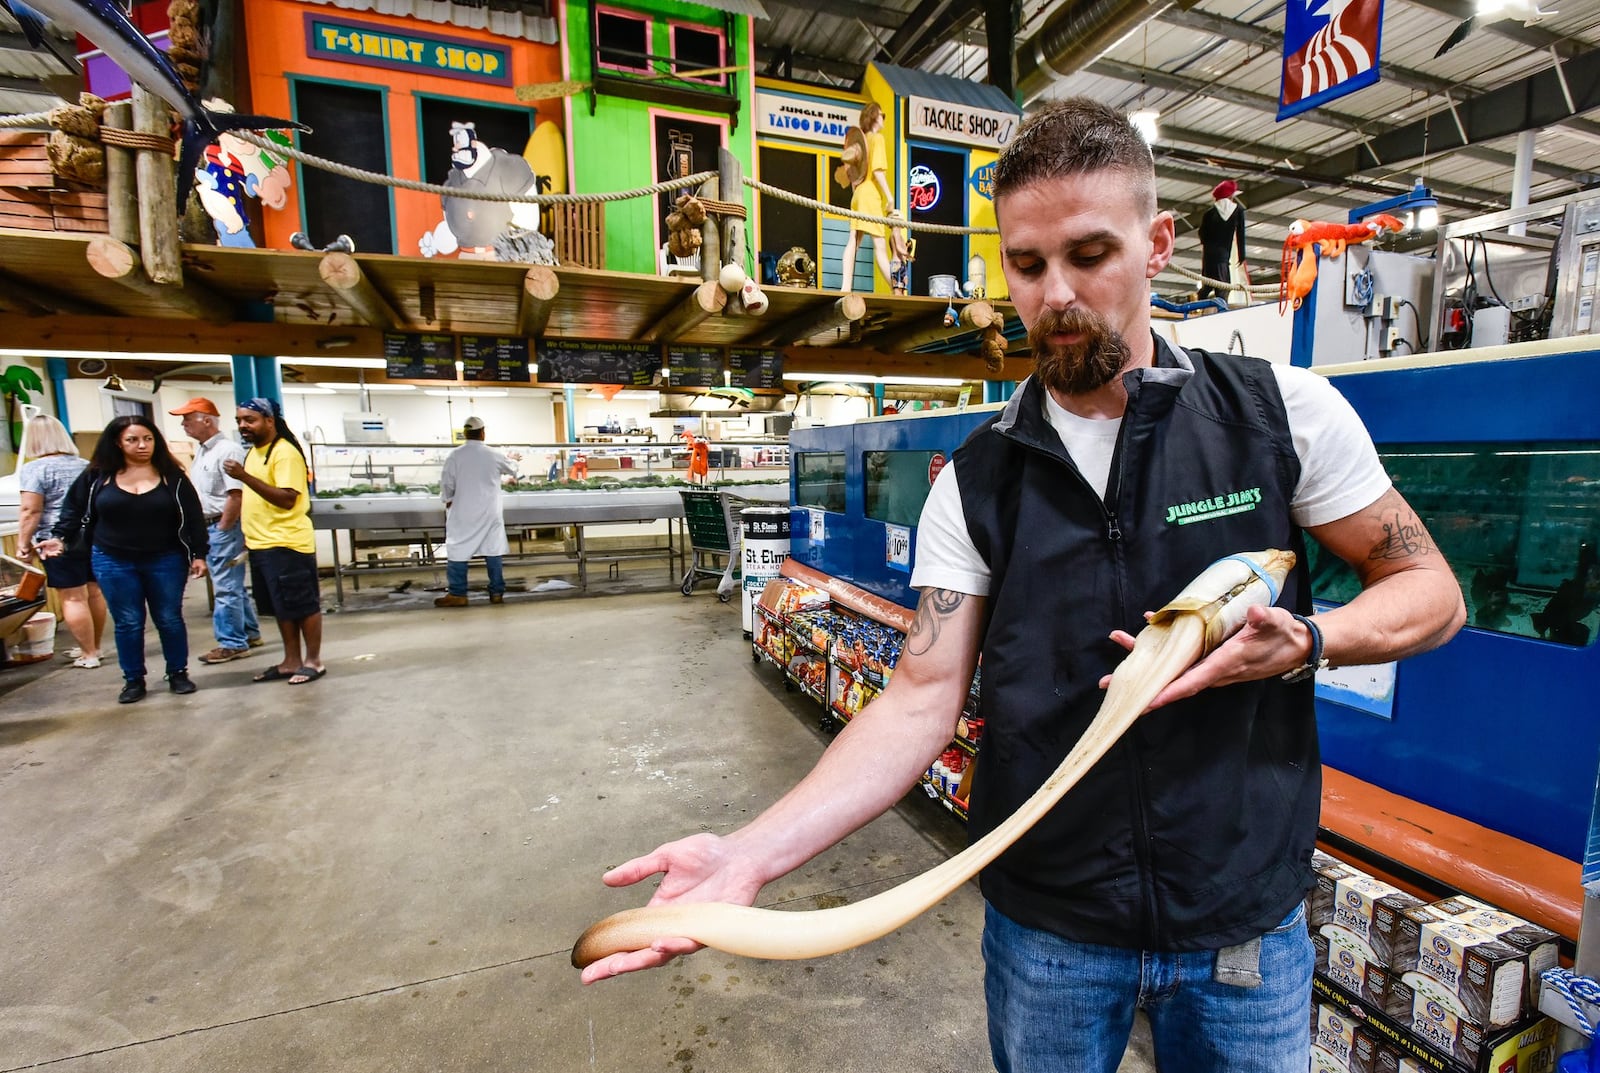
(1221, 233)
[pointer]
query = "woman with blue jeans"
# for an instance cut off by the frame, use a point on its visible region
(136, 510)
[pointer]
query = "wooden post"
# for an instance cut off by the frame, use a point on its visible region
(120, 262)
(730, 179)
(710, 246)
(157, 193)
(841, 313)
(707, 298)
(539, 289)
(122, 190)
(341, 272)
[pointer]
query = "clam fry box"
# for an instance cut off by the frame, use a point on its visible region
(1526, 1047)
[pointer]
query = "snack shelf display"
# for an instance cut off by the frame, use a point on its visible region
(838, 645)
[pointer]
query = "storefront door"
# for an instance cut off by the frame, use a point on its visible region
(936, 193)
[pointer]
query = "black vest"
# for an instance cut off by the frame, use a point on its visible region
(1195, 831)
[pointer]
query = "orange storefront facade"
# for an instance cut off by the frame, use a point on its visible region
(389, 94)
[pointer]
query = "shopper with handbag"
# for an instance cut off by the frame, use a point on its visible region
(135, 511)
(52, 466)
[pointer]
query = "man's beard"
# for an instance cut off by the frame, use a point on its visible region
(1085, 366)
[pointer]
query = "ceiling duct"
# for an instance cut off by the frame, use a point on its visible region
(1077, 34)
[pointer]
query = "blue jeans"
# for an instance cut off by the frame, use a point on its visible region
(1056, 1005)
(233, 616)
(131, 584)
(455, 573)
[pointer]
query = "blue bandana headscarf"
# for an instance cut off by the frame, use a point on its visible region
(264, 406)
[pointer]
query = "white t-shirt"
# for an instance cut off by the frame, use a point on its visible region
(1340, 474)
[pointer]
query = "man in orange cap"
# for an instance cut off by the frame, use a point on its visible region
(233, 617)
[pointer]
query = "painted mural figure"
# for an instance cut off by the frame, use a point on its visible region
(866, 170)
(231, 171)
(472, 227)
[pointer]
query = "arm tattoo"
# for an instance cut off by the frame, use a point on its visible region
(1402, 539)
(935, 606)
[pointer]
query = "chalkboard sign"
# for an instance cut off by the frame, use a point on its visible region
(756, 367)
(588, 361)
(419, 356)
(695, 366)
(500, 359)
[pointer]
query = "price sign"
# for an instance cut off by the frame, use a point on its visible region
(500, 359)
(689, 366)
(819, 531)
(756, 367)
(419, 356)
(897, 550)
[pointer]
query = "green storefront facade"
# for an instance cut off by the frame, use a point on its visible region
(668, 84)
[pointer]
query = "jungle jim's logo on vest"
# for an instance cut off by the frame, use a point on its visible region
(1204, 510)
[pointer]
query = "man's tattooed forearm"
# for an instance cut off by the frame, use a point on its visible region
(1401, 540)
(935, 606)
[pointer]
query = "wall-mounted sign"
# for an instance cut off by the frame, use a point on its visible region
(756, 367)
(500, 359)
(983, 181)
(419, 356)
(897, 548)
(694, 366)
(383, 46)
(947, 122)
(806, 118)
(588, 361)
(924, 187)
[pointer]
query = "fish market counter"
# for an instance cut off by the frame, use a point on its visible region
(374, 532)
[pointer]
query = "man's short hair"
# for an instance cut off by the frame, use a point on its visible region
(1076, 136)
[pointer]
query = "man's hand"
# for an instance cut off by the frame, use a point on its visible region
(700, 868)
(1270, 643)
(49, 549)
(233, 468)
(197, 568)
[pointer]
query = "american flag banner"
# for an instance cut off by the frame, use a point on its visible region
(1330, 48)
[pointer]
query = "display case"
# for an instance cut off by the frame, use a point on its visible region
(353, 469)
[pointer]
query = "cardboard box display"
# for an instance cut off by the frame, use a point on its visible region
(1345, 959)
(1542, 945)
(1370, 908)
(1478, 977)
(1319, 904)
(1529, 1047)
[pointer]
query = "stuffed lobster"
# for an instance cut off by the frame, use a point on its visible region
(1299, 269)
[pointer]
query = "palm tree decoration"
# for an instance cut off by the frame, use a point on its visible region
(16, 382)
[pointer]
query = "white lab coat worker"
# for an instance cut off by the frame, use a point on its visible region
(474, 524)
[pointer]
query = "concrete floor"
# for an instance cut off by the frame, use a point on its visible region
(385, 870)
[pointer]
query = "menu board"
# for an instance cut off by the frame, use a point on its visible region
(756, 367)
(419, 355)
(500, 359)
(588, 361)
(694, 366)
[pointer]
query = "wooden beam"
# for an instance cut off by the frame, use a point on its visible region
(165, 335)
(341, 272)
(842, 313)
(539, 289)
(31, 299)
(974, 315)
(121, 263)
(707, 298)
(122, 190)
(828, 360)
(159, 245)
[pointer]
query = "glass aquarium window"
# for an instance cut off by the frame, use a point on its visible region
(1519, 524)
(819, 480)
(897, 485)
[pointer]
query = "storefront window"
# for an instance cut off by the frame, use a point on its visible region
(1518, 523)
(622, 40)
(897, 485)
(697, 48)
(819, 480)
(348, 123)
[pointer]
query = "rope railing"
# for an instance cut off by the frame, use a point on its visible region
(1221, 284)
(850, 214)
(27, 121)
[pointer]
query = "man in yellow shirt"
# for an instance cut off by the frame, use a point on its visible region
(276, 518)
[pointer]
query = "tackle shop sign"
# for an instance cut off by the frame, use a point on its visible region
(382, 46)
(948, 122)
(808, 119)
